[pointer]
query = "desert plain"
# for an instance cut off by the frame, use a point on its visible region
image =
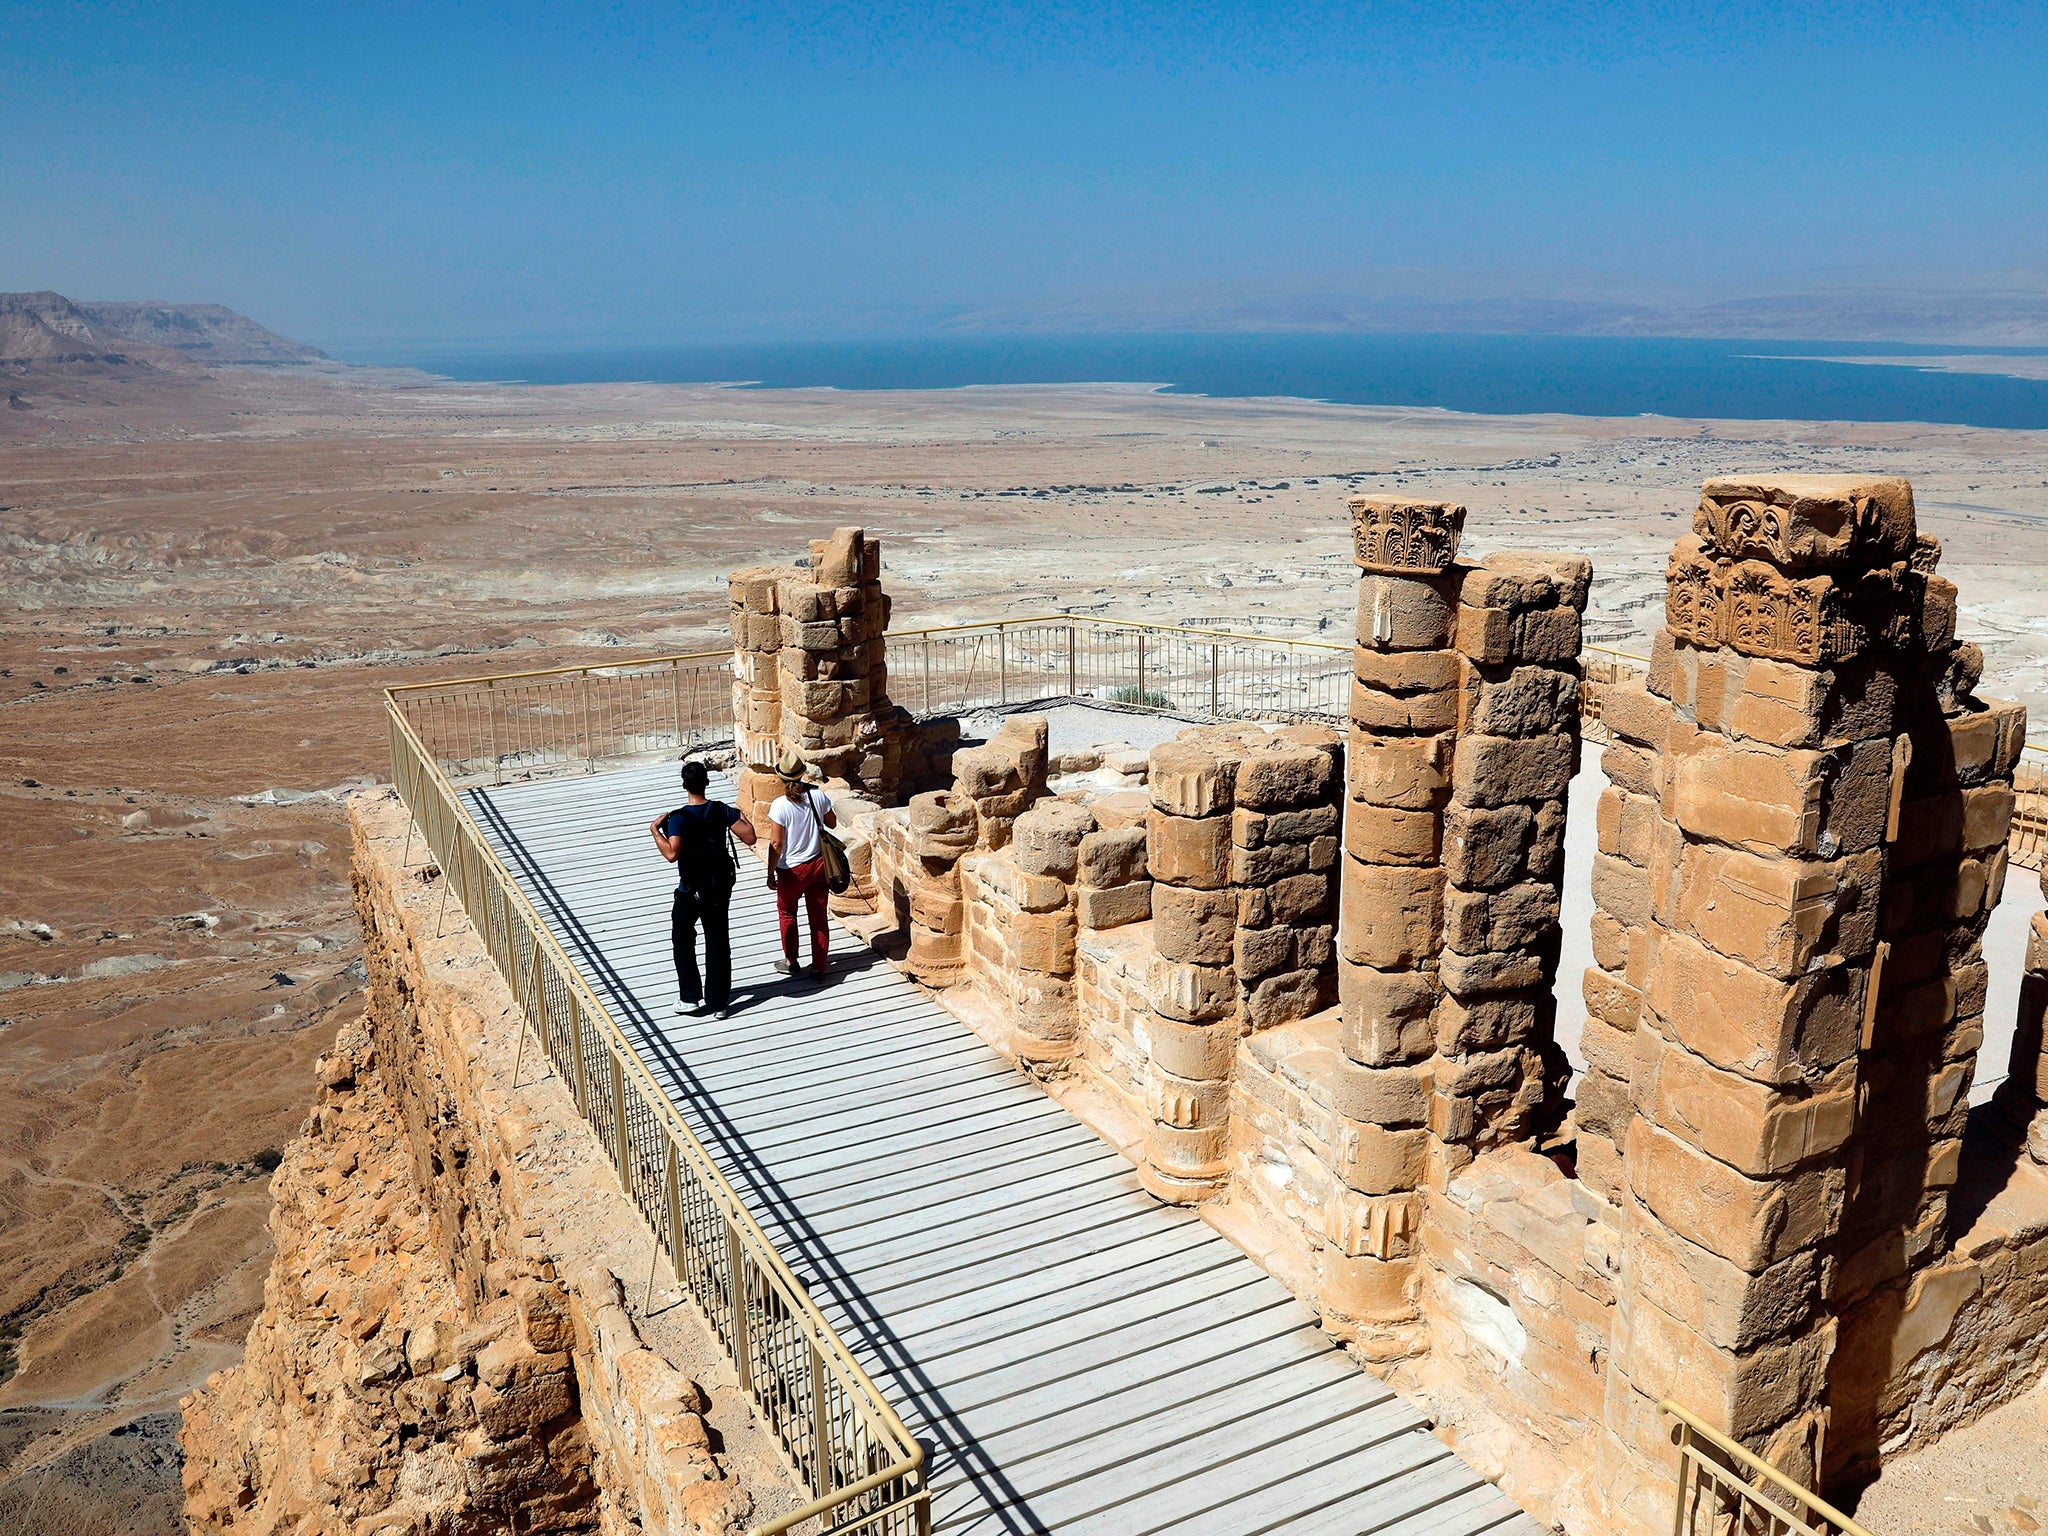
(210, 575)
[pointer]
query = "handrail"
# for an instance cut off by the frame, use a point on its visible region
(1696, 1471)
(489, 678)
(496, 906)
(1024, 620)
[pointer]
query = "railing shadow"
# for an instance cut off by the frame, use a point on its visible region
(952, 1446)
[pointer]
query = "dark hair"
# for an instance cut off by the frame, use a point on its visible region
(696, 778)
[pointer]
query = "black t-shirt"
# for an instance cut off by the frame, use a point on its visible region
(704, 857)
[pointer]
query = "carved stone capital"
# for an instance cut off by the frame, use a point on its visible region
(1808, 522)
(1405, 538)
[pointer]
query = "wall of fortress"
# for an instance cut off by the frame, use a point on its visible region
(1305, 980)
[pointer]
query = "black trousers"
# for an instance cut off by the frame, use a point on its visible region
(711, 908)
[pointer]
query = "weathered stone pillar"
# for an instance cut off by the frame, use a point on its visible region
(1193, 986)
(1498, 1075)
(943, 828)
(2022, 1098)
(1771, 691)
(1405, 704)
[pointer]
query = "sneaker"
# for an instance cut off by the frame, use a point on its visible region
(686, 1009)
(785, 968)
(721, 1013)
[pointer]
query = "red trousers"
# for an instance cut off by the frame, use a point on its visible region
(805, 881)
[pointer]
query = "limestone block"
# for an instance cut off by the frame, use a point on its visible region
(1188, 850)
(1193, 924)
(1783, 801)
(1296, 899)
(1500, 637)
(1406, 613)
(1193, 994)
(1381, 1226)
(1113, 906)
(1465, 1026)
(1404, 773)
(1807, 522)
(1186, 1103)
(1007, 886)
(841, 559)
(1365, 1289)
(1406, 672)
(1491, 971)
(1264, 829)
(1520, 701)
(1047, 839)
(1393, 914)
(1387, 1016)
(1767, 1029)
(1389, 1097)
(943, 824)
(1743, 1394)
(1753, 1223)
(1190, 779)
(1045, 940)
(1375, 834)
(1499, 770)
(1789, 705)
(1111, 858)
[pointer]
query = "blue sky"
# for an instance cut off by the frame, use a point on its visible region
(445, 172)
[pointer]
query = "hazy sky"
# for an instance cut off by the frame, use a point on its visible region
(354, 172)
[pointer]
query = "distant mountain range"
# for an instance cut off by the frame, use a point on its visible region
(47, 330)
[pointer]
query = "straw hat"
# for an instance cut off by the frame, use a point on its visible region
(790, 768)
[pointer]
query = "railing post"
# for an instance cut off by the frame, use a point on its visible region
(1215, 676)
(1073, 684)
(825, 1469)
(675, 1211)
(1002, 665)
(621, 1138)
(742, 1350)
(927, 675)
(491, 723)
(675, 694)
(576, 1050)
(1140, 699)
(589, 741)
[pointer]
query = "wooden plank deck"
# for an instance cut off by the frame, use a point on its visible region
(1077, 1357)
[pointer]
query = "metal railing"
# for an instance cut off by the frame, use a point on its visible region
(961, 667)
(518, 724)
(2029, 836)
(1725, 1490)
(837, 1433)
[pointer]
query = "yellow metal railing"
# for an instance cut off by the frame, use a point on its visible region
(837, 1433)
(1725, 1490)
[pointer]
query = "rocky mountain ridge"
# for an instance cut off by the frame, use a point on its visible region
(44, 330)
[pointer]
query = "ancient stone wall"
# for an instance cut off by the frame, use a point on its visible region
(443, 1344)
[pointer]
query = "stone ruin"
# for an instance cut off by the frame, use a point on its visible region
(1305, 980)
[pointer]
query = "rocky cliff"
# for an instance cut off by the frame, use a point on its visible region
(445, 1346)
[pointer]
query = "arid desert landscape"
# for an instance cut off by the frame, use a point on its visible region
(211, 572)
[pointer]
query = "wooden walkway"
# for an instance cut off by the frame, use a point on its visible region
(1076, 1357)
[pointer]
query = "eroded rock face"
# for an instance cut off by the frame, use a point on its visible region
(443, 1348)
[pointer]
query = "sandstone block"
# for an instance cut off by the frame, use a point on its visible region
(1497, 636)
(1388, 1097)
(1753, 1223)
(1521, 701)
(1491, 971)
(1282, 775)
(1282, 999)
(1111, 858)
(1378, 709)
(1621, 890)
(1790, 705)
(1767, 1029)
(1754, 1127)
(1259, 952)
(1189, 850)
(1193, 994)
(1375, 834)
(839, 560)
(1296, 899)
(1045, 940)
(1186, 1103)
(1405, 613)
(1466, 1026)
(1192, 1154)
(1499, 770)
(1406, 672)
(1187, 779)
(1742, 1394)
(1484, 847)
(1376, 1161)
(1201, 1052)
(1783, 916)
(1381, 1226)
(1405, 773)
(1507, 919)
(1387, 1016)
(1728, 1306)
(1392, 914)
(1192, 924)
(1047, 838)
(1366, 1290)
(1113, 906)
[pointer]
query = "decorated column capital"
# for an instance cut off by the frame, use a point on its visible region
(1396, 537)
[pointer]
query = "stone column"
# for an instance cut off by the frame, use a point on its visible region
(1498, 1075)
(2023, 1097)
(1766, 864)
(943, 828)
(755, 602)
(1283, 857)
(1193, 987)
(1405, 703)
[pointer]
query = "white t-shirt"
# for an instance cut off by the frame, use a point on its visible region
(799, 827)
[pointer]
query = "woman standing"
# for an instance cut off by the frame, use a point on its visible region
(693, 838)
(796, 868)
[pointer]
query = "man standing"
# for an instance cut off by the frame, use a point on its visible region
(693, 838)
(796, 868)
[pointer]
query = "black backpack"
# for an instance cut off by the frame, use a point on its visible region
(705, 860)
